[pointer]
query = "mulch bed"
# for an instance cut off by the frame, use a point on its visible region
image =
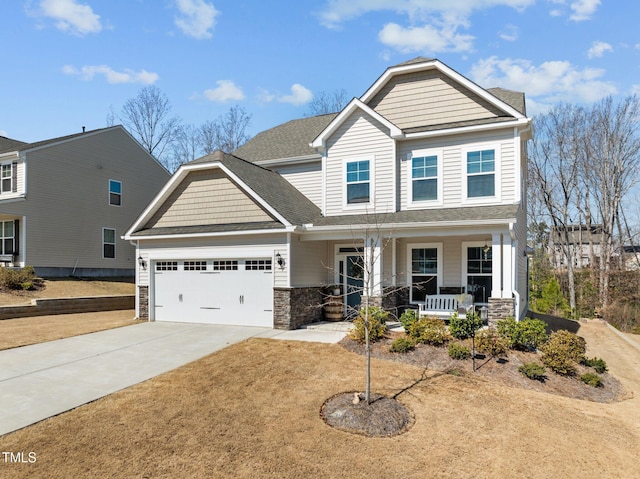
(503, 370)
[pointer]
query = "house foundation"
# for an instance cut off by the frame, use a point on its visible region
(293, 307)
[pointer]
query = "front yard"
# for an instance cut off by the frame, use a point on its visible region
(252, 410)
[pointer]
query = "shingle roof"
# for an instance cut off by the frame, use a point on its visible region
(270, 186)
(21, 145)
(184, 230)
(512, 98)
(7, 144)
(288, 140)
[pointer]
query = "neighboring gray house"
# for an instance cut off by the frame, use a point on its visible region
(65, 202)
(431, 163)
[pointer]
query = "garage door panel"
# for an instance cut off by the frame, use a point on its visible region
(238, 292)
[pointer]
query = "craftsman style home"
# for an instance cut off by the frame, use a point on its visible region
(65, 202)
(417, 188)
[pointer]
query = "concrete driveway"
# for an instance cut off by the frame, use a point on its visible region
(46, 379)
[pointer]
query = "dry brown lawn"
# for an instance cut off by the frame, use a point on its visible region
(252, 411)
(24, 331)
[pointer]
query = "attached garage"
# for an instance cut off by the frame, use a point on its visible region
(236, 291)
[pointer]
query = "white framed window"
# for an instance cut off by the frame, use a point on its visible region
(195, 265)
(115, 193)
(167, 266)
(257, 265)
(477, 270)
(481, 173)
(225, 265)
(424, 270)
(424, 173)
(8, 178)
(7, 237)
(108, 243)
(358, 188)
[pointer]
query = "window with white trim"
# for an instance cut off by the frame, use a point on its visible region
(8, 178)
(108, 243)
(257, 265)
(115, 193)
(225, 265)
(424, 178)
(166, 266)
(481, 178)
(358, 182)
(7, 237)
(425, 263)
(195, 265)
(479, 272)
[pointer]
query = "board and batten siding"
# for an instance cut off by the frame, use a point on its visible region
(454, 164)
(207, 197)
(307, 178)
(67, 202)
(361, 137)
(429, 98)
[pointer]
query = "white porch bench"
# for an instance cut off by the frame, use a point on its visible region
(444, 305)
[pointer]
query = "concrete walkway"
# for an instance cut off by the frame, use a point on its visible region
(46, 379)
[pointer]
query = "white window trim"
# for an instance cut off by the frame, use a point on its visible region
(496, 147)
(103, 242)
(358, 206)
(464, 255)
(109, 198)
(421, 204)
(440, 264)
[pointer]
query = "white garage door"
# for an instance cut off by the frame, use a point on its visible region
(218, 291)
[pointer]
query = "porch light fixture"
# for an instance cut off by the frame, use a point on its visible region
(280, 260)
(142, 263)
(485, 249)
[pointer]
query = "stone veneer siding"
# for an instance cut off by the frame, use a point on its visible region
(143, 307)
(500, 308)
(293, 307)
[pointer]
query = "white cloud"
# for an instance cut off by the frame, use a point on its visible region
(432, 25)
(583, 9)
(71, 16)
(549, 82)
(598, 49)
(299, 95)
(197, 18)
(226, 91)
(426, 38)
(265, 96)
(114, 77)
(509, 33)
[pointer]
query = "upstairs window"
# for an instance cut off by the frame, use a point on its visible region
(481, 180)
(115, 193)
(108, 243)
(358, 182)
(424, 178)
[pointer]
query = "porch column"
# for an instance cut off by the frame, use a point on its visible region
(507, 267)
(496, 275)
(373, 267)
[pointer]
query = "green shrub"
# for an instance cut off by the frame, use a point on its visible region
(533, 371)
(592, 379)
(402, 345)
(489, 341)
(377, 325)
(551, 300)
(562, 351)
(459, 351)
(528, 334)
(407, 318)
(429, 330)
(462, 327)
(596, 363)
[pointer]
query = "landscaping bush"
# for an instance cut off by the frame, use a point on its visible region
(459, 351)
(429, 330)
(533, 371)
(562, 352)
(592, 379)
(528, 334)
(23, 278)
(596, 363)
(464, 327)
(408, 318)
(489, 341)
(402, 345)
(377, 325)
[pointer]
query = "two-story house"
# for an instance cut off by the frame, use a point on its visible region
(65, 202)
(415, 188)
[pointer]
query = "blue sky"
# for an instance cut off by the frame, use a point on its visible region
(67, 63)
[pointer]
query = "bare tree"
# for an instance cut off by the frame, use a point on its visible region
(227, 133)
(328, 102)
(186, 147)
(147, 117)
(555, 176)
(613, 159)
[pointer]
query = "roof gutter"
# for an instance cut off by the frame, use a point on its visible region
(130, 237)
